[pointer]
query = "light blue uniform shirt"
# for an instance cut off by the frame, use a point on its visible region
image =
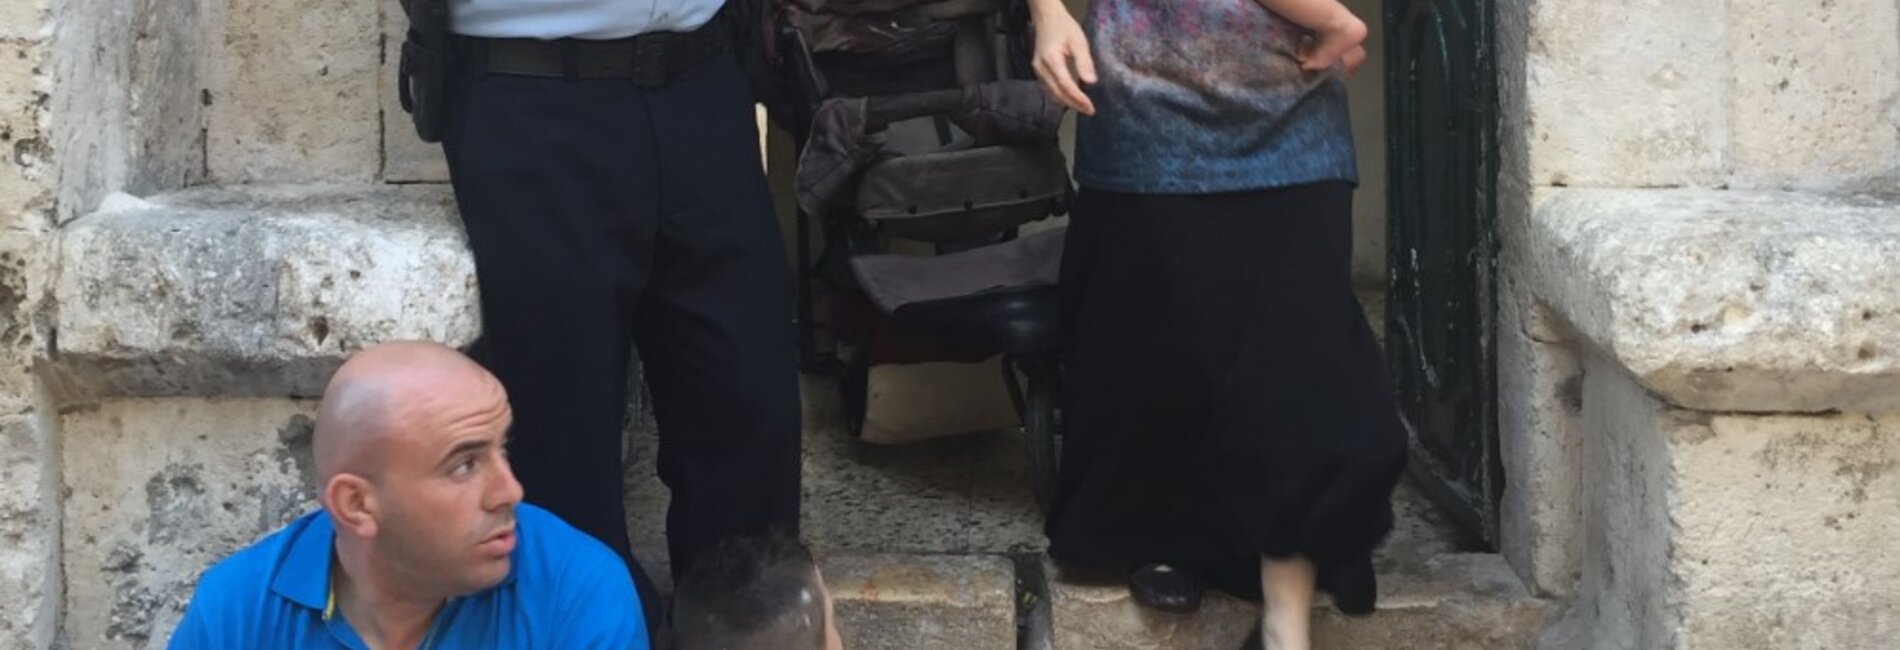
(588, 19)
(564, 591)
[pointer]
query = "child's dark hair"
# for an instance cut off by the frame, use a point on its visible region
(751, 593)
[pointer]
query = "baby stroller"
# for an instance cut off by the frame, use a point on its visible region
(926, 146)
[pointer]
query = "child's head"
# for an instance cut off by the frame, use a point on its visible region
(754, 593)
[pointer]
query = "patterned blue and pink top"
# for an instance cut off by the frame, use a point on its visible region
(1204, 96)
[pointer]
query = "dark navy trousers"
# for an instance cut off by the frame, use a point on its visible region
(603, 215)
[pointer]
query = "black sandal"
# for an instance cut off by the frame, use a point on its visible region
(1165, 588)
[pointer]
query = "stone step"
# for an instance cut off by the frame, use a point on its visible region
(931, 602)
(937, 544)
(923, 602)
(1453, 602)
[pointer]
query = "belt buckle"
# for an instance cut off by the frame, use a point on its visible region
(649, 61)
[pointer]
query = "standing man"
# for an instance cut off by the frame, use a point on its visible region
(605, 159)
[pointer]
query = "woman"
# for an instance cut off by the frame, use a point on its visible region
(1228, 418)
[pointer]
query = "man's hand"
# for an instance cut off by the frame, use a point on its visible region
(1060, 44)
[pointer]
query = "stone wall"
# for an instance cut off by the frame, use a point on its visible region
(1705, 392)
(116, 97)
(160, 489)
(1788, 524)
(1697, 322)
(29, 474)
(199, 324)
(129, 100)
(105, 517)
(293, 91)
(1733, 531)
(1759, 94)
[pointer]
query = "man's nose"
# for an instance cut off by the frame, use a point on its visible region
(506, 491)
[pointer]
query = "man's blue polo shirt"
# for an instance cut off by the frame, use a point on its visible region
(564, 591)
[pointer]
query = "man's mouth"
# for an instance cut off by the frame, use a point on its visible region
(500, 543)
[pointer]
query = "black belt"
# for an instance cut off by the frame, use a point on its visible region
(647, 59)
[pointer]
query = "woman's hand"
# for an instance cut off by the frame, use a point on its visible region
(1335, 36)
(1353, 58)
(1062, 55)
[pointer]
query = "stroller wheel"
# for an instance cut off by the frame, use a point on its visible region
(1040, 431)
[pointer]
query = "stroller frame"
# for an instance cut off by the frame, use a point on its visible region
(1031, 372)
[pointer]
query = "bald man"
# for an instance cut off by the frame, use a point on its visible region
(422, 541)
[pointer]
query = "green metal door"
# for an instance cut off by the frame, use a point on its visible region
(1441, 90)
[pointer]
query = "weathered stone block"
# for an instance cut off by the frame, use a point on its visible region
(1616, 101)
(165, 99)
(127, 115)
(1787, 528)
(29, 533)
(160, 490)
(293, 91)
(1728, 300)
(91, 61)
(1733, 531)
(1624, 595)
(256, 291)
(22, 20)
(1453, 602)
(923, 602)
(25, 252)
(1539, 415)
(29, 496)
(1816, 94)
(406, 158)
(26, 164)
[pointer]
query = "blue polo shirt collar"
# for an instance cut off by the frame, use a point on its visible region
(303, 572)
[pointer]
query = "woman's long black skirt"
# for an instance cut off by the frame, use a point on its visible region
(1224, 398)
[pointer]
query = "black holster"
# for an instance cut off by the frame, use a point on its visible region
(422, 74)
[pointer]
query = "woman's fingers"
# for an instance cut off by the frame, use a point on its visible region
(1353, 58)
(1053, 69)
(1076, 99)
(1084, 62)
(1045, 73)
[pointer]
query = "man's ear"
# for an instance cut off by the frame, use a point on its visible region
(351, 503)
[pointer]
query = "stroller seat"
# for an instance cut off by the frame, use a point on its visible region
(1000, 297)
(1018, 320)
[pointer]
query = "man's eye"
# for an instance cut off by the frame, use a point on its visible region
(465, 468)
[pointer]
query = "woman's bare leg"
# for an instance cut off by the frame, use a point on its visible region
(1287, 585)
